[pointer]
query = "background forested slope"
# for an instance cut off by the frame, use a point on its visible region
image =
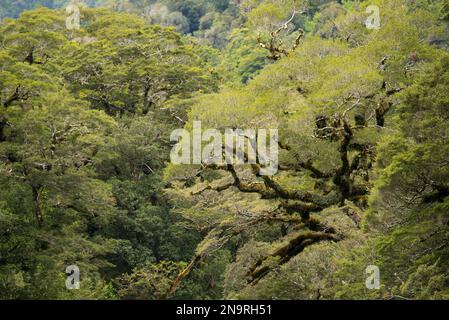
(85, 173)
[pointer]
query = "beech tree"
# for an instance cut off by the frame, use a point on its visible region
(332, 102)
(360, 181)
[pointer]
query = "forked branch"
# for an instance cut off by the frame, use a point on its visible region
(275, 45)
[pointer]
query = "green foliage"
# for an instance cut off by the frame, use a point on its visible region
(242, 60)
(207, 282)
(85, 173)
(366, 79)
(408, 212)
(79, 185)
(148, 283)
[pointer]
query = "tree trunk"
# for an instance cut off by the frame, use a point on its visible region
(147, 101)
(15, 96)
(37, 207)
(3, 123)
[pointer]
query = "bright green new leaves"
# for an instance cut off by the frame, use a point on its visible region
(128, 67)
(352, 84)
(409, 203)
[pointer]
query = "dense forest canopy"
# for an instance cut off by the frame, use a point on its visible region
(86, 178)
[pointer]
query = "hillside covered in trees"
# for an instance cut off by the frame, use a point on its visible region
(358, 91)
